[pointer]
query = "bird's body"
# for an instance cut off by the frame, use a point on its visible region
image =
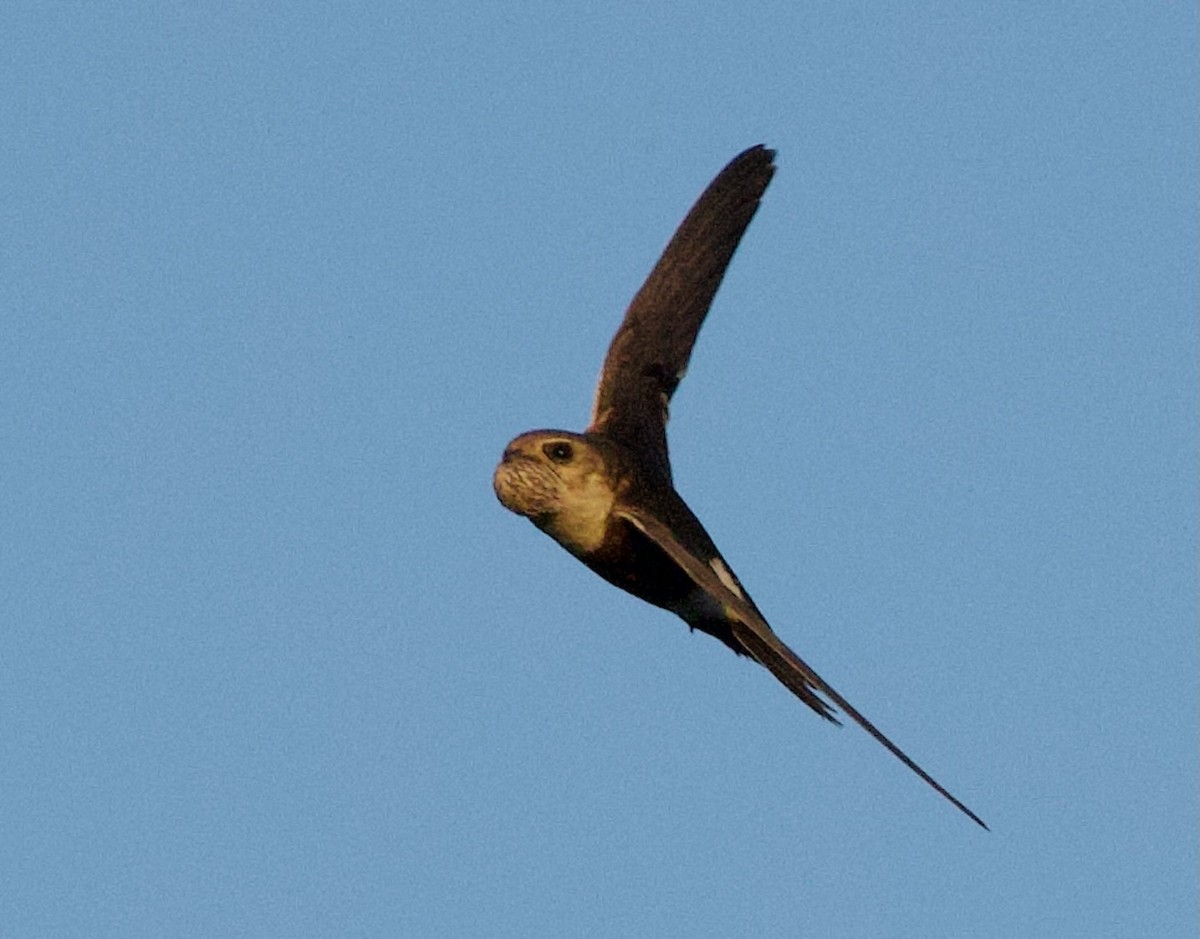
(606, 495)
(614, 548)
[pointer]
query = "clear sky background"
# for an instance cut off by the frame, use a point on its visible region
(279, 283)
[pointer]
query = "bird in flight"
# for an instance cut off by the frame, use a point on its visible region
(606, 495)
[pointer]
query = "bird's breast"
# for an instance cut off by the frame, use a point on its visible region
(628, 559)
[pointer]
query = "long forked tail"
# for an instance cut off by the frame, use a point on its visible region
(792, 671)
(750, 629)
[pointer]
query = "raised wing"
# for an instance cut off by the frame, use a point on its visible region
(650, 352)
(767, 648)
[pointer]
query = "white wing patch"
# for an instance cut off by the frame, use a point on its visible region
(725, 576)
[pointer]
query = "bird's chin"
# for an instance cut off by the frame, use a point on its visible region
(526, 487)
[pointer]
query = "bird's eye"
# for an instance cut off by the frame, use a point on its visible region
(559, 451)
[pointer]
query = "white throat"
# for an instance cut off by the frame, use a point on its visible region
(582, 517)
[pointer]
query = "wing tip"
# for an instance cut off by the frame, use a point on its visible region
(760, 151)
(759, 158)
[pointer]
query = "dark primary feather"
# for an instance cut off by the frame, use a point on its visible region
(761, 642)
(650, 350)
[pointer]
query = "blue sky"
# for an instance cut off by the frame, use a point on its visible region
(279, 284)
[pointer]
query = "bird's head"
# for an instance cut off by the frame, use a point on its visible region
(560, 482)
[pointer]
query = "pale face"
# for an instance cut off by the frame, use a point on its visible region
(558, 481)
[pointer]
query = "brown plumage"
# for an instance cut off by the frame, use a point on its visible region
(606, 495)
